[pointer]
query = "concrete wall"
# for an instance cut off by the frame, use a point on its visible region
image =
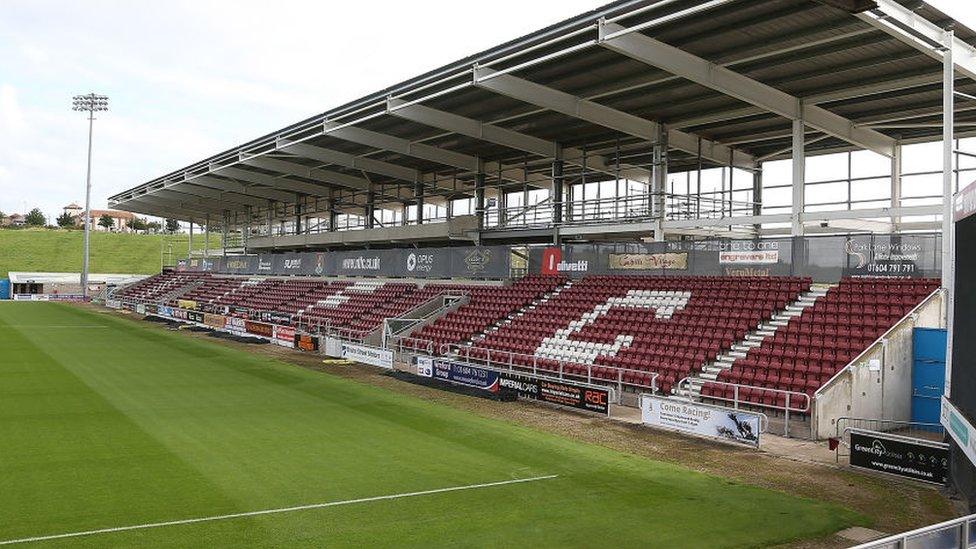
(878, 383)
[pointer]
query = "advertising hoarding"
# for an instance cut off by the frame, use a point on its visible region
(915, 459)
(701, 419)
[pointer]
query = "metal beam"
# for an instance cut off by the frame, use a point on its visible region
(351, 161)
(326, 176)
(701, 71)
(468, 163)
(190, 200)
(894, 83)
(207, 192)
(162, 208)
(470, 127)
(241, 188)
(272, 181)
(300, 170)
(602, 115)
(402, 146)
(512, 139)
(919, 33)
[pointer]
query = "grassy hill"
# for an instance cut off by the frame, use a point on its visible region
(47, 250)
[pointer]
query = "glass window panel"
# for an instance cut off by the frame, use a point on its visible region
(870, 164)
(870, 189)
(777, 172)
(826, 167)
(921, 185)
(827, 193)
(777, 197)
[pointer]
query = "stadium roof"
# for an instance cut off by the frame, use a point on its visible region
(720, 80)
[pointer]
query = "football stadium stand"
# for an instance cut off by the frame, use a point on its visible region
(767, 335)
(704, 200)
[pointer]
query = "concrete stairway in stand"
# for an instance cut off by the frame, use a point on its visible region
(753, 339)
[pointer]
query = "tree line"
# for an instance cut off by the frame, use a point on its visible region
(36, 218)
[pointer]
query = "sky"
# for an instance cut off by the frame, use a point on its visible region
(188, 79)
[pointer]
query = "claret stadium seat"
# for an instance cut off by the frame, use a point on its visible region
(812, 348)
(644, 324)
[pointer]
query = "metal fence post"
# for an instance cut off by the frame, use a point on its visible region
(786, 422)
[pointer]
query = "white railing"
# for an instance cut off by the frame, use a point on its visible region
(794, 402)
(956, 533)
(414, 345)
(563, 369)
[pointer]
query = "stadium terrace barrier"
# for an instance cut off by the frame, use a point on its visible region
(786, 402)
(956, 533)
(824, 258)
(459, 262)
(636, 380)
(883, 368)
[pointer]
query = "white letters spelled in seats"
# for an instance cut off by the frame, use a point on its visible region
(561, 347)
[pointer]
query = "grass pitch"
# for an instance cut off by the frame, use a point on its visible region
(105, 422)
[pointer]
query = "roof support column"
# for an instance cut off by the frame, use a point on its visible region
(757, 191)
(948, 168)
(223, 240)
(271, 209)
(557, 190)
(370, 206)
(418, 193)
(659, 179)
(298, 214)
(247, 228)
(479, 199)
(206, 237)
(799, 178)
(189, 243)
(502, 205)
(896, 185)
(333, 214)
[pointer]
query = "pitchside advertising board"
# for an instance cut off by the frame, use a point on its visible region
(368, 355)
(912, 458)
(563, 393)
(701, 419)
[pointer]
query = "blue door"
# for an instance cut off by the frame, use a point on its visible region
(928, 373)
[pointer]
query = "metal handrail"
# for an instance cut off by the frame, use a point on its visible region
(787, 408)
(959, 530)
(511, 364)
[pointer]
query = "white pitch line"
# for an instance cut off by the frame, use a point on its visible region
(273, 511)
